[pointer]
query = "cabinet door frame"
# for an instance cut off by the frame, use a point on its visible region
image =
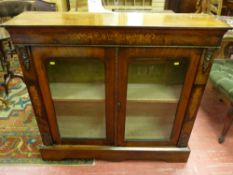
(107, 55)
(128, 54)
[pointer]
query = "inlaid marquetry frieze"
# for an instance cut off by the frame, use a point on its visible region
(119, 36)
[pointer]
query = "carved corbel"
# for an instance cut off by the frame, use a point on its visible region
(208, 57)
(24, 56)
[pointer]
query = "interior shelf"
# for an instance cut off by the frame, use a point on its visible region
(153, 93)
(148, 127)
(149, 121)
(72, 91)
(140, 93)
(143, 121)
(81, 126)
(82, 120)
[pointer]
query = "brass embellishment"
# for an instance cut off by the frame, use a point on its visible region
(23, 51)
(207, 59)
(228, 50)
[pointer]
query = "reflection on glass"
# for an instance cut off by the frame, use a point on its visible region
(154, 89)
(78, 93)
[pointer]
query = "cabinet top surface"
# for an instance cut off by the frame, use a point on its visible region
(113, 19)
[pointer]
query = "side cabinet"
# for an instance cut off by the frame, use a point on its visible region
(115, 91)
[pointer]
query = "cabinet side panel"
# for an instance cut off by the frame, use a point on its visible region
(30, 79)
(187, 91)
(195, 100)
(190, 116)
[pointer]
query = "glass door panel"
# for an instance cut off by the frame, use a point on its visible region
(153, 93)
(78, 92)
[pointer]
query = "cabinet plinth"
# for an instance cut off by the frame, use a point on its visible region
(110, 87)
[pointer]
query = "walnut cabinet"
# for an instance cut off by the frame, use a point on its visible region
(107, 86)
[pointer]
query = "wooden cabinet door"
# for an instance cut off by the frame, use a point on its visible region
(77, 85)
(154, 88)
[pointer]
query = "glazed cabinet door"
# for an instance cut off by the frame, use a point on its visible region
(154, 88)
(77, 87)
